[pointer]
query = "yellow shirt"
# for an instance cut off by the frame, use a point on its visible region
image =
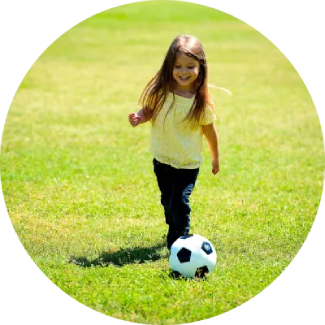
(174, 142)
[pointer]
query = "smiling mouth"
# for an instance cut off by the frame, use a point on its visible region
(184, 79)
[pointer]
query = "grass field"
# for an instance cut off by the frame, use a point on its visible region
(78, 180)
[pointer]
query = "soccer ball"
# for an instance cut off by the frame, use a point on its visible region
(192, 256)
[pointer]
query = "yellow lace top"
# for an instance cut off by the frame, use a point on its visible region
(172, 140)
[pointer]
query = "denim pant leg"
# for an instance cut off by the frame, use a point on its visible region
(179, 207)
(164, 174)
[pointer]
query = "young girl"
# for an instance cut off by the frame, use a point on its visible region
(178, 104)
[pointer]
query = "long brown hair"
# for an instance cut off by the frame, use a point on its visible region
(157, 89)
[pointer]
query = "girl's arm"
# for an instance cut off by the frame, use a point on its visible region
(140, 117)
(211, 135)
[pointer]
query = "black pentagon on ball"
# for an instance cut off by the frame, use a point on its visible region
(206, 247)
(184, 255)
(201, 272)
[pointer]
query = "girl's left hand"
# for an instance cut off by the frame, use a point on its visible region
(215, 166)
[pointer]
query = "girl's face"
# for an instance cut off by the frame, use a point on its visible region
(185, 72)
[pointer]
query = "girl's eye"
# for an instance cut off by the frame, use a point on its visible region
(178, 67)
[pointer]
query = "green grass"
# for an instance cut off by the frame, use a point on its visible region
(78, 181)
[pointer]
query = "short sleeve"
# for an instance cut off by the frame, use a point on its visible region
(208, 117)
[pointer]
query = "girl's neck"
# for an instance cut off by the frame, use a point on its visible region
(183, 93)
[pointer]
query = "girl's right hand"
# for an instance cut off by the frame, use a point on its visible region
(134, 119)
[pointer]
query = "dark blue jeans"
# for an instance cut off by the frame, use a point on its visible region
(176, 186)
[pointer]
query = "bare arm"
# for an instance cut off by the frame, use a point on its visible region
(140, 117)
(211, 135)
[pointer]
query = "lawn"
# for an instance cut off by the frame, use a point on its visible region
(78, 181)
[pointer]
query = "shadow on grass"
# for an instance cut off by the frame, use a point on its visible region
(136, 255)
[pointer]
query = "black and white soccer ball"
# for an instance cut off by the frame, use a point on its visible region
(192, 256)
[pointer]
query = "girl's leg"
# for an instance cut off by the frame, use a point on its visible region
(165, 180)
(179, 207)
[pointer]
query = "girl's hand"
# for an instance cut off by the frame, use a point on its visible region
(215, 166)
(134, 119)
